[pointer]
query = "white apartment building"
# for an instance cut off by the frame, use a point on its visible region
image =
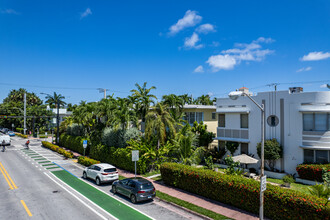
(300, 121)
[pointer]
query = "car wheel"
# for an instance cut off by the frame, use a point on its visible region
(98, 181)
(133, 199)
(85, 175)
(114, 189)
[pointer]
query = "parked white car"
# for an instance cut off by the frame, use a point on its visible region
(101, 173)
(6, 138)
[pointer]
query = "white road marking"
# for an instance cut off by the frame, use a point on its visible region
(93, 210)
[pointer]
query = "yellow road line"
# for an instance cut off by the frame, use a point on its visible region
(8, 176)
(26, 208)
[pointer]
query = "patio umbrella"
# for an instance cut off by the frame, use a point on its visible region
(245, 159)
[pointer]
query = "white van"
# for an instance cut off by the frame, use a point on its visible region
(6, 138)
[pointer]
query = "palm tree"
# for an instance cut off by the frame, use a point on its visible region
(186, 99)
(159, 123)
(173, 101)
(203, 100)
(124, 114)
(106, 110)
(142, 94)
(56, 99)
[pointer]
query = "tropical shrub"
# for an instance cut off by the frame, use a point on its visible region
(118, 137)
(288, 179)
(243, 193)
(74, 143)
(204, 137)
(21, 135)
(75, 130)
(20, 130)
(273, 151)
(86, 161)
(312, 171)
(232, 146)
(57, 149)
(233, 167)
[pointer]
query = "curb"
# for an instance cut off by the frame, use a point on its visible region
(183, 208)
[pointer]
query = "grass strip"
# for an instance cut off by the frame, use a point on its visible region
(151, 173)
(111, 205)
(49, 168)
(190, 206)
(47, 161)
(41, 159)
(50, 164)
(36, 156)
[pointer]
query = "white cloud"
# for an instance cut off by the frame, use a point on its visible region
(312, 56)
(205, 28)
(9, 11)
(190, 19)
(241, 52)
(86, 13)
(199, 69)
(218, 62)
(191, 42)
(323, 86)
(304, 69)
(210, 94)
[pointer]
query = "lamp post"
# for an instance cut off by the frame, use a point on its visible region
(234, 95)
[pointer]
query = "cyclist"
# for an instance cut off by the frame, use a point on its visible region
(27, 144)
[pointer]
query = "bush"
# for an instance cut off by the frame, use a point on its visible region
(244, 193)
(288, 179)
(56, 148)
(21, 135)
(312, 171)
(86, 161)
(273, 151)
(75, 130)
(20, 130)
(119, 137)
(74, 143)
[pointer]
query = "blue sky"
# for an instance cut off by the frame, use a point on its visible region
(194, 47)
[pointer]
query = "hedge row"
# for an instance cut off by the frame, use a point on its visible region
(56, 148)
(243, 193)
(119, 157)
(86, 161)
(74, 143)
(20, 130)
(312, 171)
(21, 135)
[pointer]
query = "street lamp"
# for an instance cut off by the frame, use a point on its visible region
(234, 96)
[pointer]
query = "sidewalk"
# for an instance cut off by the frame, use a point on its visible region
(203, 202)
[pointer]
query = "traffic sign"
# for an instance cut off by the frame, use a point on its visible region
(263, 183)
(85, 144)
(135, 155)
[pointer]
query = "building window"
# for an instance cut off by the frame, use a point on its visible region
(308, 156)
(221, 120)
(244, 121)
(272, 120)
(191, 117)
(316, 121)
(213, 115)
(316, 156)
(244, 148)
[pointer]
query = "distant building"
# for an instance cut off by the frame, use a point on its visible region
(300, 121)
(63, 113)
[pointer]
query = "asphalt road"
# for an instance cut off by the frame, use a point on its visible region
(47, 198)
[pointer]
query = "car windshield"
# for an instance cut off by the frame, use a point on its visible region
(110, 170)
(146, 186)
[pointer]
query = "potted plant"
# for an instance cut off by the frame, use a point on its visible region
(288, 179)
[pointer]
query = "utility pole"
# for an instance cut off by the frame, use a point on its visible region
(24, 113)
(58, 122)
(104, 91)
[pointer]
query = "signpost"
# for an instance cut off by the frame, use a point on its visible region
(263, 183)
(84, 145)
(135, 157)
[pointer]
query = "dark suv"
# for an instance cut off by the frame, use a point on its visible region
(137, 189)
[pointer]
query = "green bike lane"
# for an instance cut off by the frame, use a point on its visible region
(111, 205)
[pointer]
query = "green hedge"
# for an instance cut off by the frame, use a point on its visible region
(119, 157)
(56, 148)
(20, 130)
(86, 161)
(312, 171)
(74, 143)
(21, 135)
(243, 193)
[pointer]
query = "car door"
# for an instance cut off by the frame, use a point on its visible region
(129, 187)
(96, 170)
(121, 186)
(90, 171)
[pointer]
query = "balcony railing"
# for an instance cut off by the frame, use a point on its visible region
(233, 133)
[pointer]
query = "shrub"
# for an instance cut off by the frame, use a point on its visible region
(312, 171)
(56, 148)
(75, 130)
(232, 147)
(21, 135)
(288, 179)
(119, 137)
(244, 193)
(20, 130)
(86, 161)
(74, 143)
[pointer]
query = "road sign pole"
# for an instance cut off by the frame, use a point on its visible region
(135, 169)
(84, 151)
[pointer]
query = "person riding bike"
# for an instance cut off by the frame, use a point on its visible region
(3, 145)
(27, 144)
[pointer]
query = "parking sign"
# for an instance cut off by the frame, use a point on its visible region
(135, 155)
(85, 143)
(263, 183)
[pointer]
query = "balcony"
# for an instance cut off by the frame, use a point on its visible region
(239, 135)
